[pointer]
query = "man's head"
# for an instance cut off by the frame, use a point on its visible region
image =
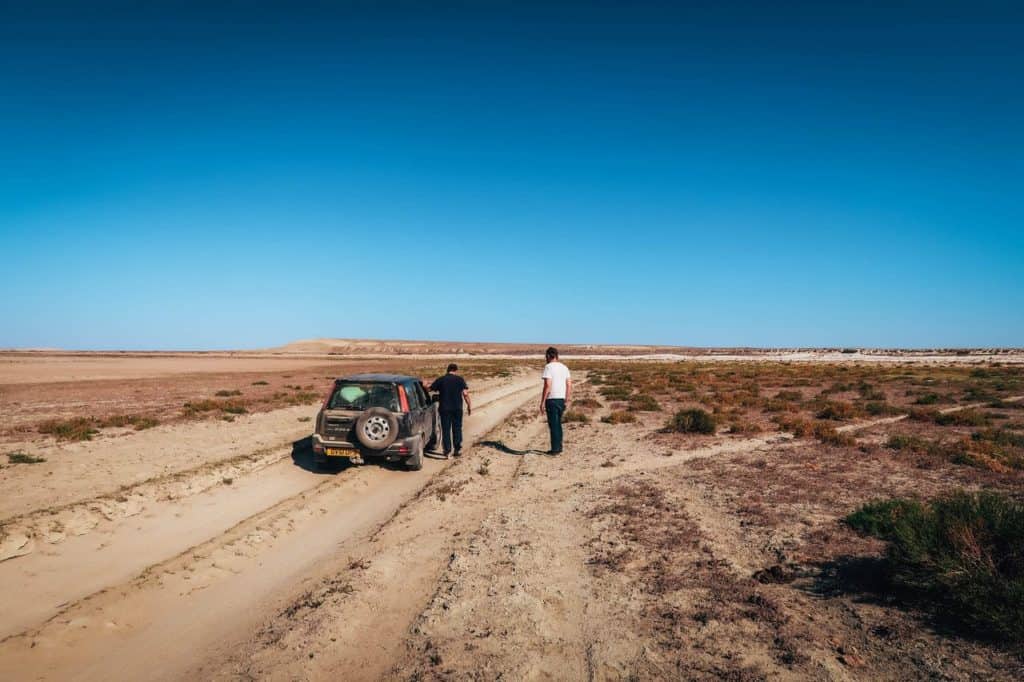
(453, 368)
(551, 354)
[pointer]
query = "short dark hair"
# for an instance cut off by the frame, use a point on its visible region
(551, 353)
(453, 367)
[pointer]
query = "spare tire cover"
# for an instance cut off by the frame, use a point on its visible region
(377, 428)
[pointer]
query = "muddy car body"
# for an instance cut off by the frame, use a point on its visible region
(391, 416)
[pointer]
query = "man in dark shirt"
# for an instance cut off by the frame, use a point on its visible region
(453, 390)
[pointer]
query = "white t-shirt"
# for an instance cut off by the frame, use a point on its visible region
(559, 375)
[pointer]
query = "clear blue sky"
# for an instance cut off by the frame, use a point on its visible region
(235, 174)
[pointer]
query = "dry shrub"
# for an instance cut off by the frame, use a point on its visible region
(78, 428)
(837, 410)
(619, 417)
(827, 434)
(798, 426)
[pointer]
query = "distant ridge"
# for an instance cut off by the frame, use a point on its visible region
(326, 346)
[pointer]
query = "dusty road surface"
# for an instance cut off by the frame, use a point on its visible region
(637, 554)
(102, 538)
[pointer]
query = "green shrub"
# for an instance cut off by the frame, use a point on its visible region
(615, 392)
(927, 399)
(879, 518)
(962, 555)
(586, 404)
(912, 443)
(23, 458)
(691, 421)
(619, 418)
(879, 408)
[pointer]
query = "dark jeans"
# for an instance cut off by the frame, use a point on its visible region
(451, 429)
(555, 407)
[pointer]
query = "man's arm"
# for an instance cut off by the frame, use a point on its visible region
(568, 390)
(465, 396)
(544, 394)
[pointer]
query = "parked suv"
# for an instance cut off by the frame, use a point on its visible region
(386, 415)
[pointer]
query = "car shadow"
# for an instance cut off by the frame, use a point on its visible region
(302, 457)
(501, 447)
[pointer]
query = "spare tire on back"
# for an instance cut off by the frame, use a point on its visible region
(377, 428)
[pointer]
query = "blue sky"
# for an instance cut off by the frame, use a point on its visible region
(237, 175)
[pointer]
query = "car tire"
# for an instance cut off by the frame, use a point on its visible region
(415, 460)
(376, 428)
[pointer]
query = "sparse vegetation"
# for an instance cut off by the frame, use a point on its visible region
(224, 393)
(75, 429)
(571, 416)
(642, 402)
(619, 417)
(837, 410)
(84, 428)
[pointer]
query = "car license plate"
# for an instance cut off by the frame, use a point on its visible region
(337, 452)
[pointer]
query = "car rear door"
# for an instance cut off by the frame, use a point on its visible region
(430, 410)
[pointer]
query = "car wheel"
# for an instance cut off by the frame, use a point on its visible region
(377, 428)
(415, 461)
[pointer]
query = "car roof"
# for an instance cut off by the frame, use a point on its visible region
(388, 378)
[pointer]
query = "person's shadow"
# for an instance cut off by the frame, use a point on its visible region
(501, 447)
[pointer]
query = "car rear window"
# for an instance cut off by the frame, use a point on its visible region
(358, 395)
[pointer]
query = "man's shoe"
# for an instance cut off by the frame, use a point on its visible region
(458, 453)
(447, 454)
(554, 452)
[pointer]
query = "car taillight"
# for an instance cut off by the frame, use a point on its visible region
(403, 400)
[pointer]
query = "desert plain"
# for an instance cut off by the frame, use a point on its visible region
(161, 517)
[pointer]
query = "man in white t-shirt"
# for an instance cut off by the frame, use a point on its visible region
(555, 396)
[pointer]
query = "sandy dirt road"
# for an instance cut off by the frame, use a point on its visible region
(192, 556)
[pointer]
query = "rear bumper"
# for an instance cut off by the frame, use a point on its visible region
(400, 449)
